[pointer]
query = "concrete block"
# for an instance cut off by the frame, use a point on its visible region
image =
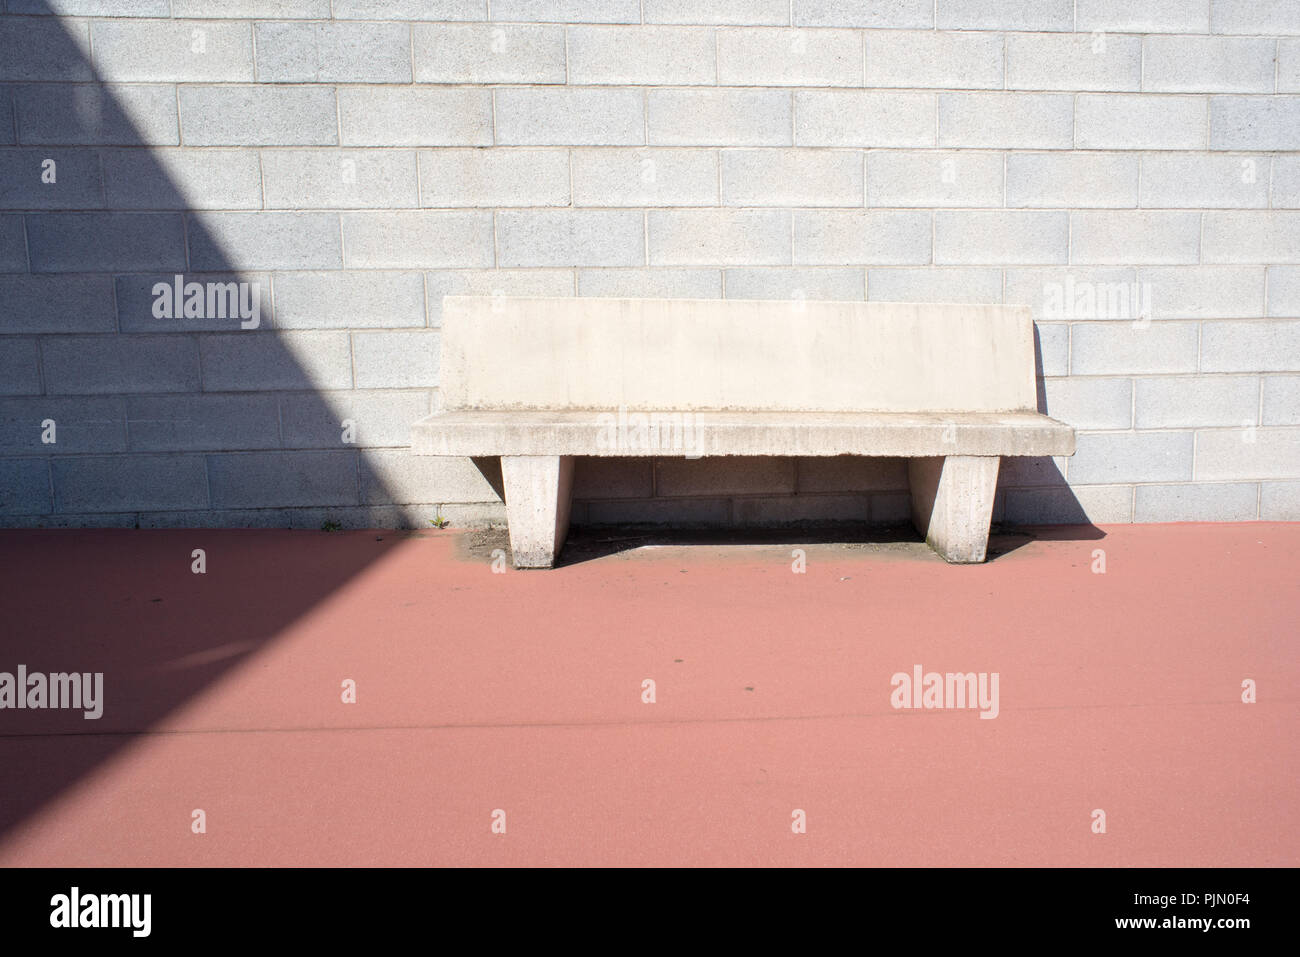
(1066, 180)
(927, 59)
(1199, 180)
(1126, 348)
(1204, 292)
(869, 237)
(606, 478)
(13, 245)
(1004, 15)
(1251, 236)
(863, 118)
(1283, 290)
(1110, 458)
(750, 117)
(39, 304)
(257, 115)
(1074, 62)
(91, 242)
(1006, 120)
(935, 284)
(1255, 123)
(851, 473)
(401, 116)
(231, 306)
(894, 14)
(417, 240)
(783, 511)
(1078, 292)
(25, 487)
(641, 55)
(172, 51)
(1280, 397)
(644, 177)
(1286, 181)
(1173, 402)
(582, 237)
(680, 513)
(1254, 17)
(729, 475)
(761, 56)
(20, 371)
(349, 300)
(505, 177)
(251, 9)
(46, 49)
(487, 53)
(8, 128)
(396, 477)
(1196, 503)
(395, 360)
(1208, 64)
(568, 11)
(1052, 348)
(333, 52)
(1138, 237)
(718, 237)
(570, 117)
(263, 240)
(339, 179)
(651, 283)
(1154, 16)
(82, 424)
(810, 283)
(1242, 346)
(1090, 403)
(79, 114)
(282, 479)
(993, 237)
(179, 178)
(791, 178)
(264, 361)
(106, 483)
(315, 420)
(1139, 122)
(111, 365)
(735, 12)
(1279, 501)
(1250, 454)
(1288, 66)
(927, 178)
(202, 423)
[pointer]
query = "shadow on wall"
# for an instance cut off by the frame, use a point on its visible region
(103, 223)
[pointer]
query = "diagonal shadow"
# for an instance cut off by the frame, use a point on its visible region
(77, 284)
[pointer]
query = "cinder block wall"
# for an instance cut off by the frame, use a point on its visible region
(1129, 170)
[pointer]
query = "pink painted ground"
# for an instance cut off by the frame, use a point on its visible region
(522, 691)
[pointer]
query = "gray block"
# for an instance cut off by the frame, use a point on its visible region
(808, 283)
(399, 116)
(935, 284)
(869, 237)
(1006, 120)
(761, 56)
(865, 118)
(82, 424)
(1197, 180)
(118, 364)
(1018, 237)
(1208, 64)
(494, 282)
(173, 51)
(1140, 237)
(1108, 458)
(349, 300)
(1251, 236)
(1004, 15)
(1204, 292)
(417, 240)
(333, 52)
(202, 423)
(379, 419)
(1065, 180)
(1154, 16)
(1254, 123)
(1242, 346)
(108, 483)
(896, 14)
(709, 237)
(258, 116)
(13, 245)
(568, 11)
(256, 361)
(514, 177)
(792, 178)
(1254, 16)
(282, 479)
(1284, 291)
(396, 360)
(1279, 501)
(44, 49)
(182, 179)
(1127, 348)
(746, 117)
(1073, 62)
(1281, 400)
(1090, 403)
(339, 179)
(487, 53)
(645, 55)
(737, 12)
(57, 304)
(76, 179)
(95, 114)
(929, 59)
(86, 242)
(651, 283)
(1249, 454)
(569, 117)
(1166, 402)
(1137, 122)
(264, 240)
(224, 306)
(586, 237)
(20, 372)
(929, 178)
(1196, 503)
(25, 486)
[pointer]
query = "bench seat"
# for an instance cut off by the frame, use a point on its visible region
(482, 433)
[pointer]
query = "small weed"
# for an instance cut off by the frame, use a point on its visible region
(328, 526)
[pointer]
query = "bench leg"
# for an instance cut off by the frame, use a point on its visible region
(952, 503)
(538, 493)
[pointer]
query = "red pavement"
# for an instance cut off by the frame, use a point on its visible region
(522, 691)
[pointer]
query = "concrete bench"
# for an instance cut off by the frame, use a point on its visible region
(540, 381)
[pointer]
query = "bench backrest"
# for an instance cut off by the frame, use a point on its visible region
(716, 354)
